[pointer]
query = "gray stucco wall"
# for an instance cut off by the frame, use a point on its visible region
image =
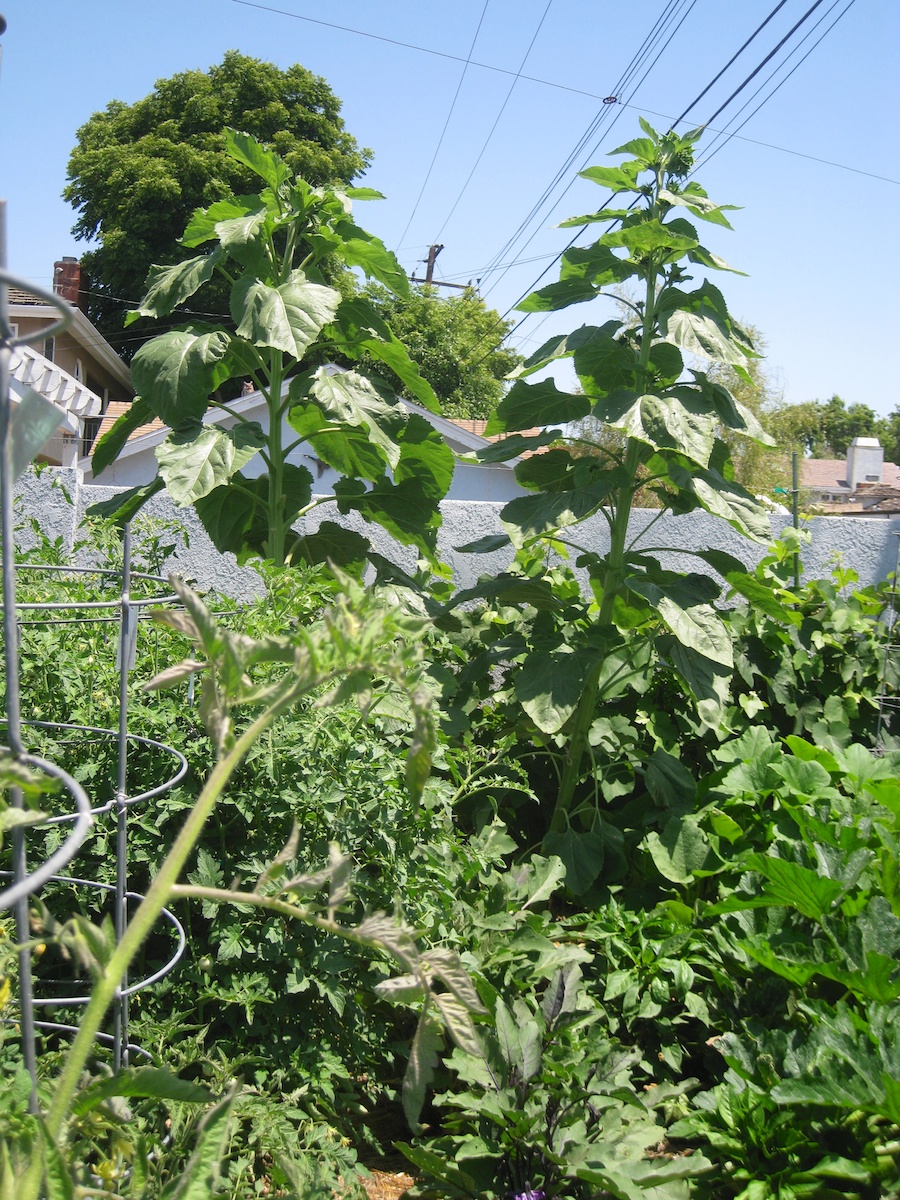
(867, 545)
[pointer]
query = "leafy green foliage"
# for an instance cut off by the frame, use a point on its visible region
(455, 341)
(139, 170)
(273, 250)
(630, 380)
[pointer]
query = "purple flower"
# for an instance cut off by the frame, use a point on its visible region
(536, 1194)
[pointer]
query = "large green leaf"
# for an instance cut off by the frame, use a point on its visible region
(244, 239)
(700, 205)
(425, 456)
(530, 405)
(349, 451)
(364, 250)
(404, 509)
(234, 515)
(529, 517)
(679, 421)
(124, 506)
(564, 345)
(680, 850)
(597, 264)
(788, 883)
(735, 505)
(167, 287)
(140, 1081)
(617, 179)
(700, 627)
(549, 684)
(649, 237)
(351, 399)
(332, 543)
(702, 334)
(724, 499)
(289, 317)
(263, 162)
(196, 460)
(202, 225)
(554, 296)
(106, 449)
(516, 444)
(582, 855)
(395, 355)
(603, 364)
(176, 372)
(708, 681)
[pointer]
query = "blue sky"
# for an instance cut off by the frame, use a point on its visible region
(819, 241)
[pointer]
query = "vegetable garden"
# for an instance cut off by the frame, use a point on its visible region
(582, 882)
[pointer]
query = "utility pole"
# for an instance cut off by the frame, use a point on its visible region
(433, 252)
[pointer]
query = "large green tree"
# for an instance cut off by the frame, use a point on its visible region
(821, 428)
(140, 170)
(457, 343)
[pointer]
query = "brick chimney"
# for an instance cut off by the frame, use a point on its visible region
(67, 280)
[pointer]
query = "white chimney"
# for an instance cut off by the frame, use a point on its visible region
(865, 462)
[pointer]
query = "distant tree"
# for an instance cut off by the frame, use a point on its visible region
(888, 432)
(140, 170)
(457, 343)
(821, 428)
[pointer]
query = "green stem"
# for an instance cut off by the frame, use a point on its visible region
(277, 534)
(139, 927)
(583, 717)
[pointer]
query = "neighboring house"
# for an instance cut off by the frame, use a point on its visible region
(855, 485)
(76, 370)
(136, 463)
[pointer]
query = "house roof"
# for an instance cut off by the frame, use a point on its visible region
(80, 329)
(464, 437)
(831, 474)
(30, 370)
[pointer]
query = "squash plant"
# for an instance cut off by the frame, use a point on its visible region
(641, 379)
(280, 251)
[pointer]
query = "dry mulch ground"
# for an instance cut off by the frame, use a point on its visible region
(387, 1185)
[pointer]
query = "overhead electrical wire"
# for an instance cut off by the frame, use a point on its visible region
(714, 149)
(493, 128)
(718, 112)
(662, 28)
(440, 142)
(756, 70)
(715, 79)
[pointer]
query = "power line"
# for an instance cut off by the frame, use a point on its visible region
(713, 149)
(769, 145)
(718, 111)
(756, 70)
(493, 128)
(659, 28)
(437, 148)
(715, 79)
(550, 83)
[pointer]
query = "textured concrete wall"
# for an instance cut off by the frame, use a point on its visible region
(868, 545)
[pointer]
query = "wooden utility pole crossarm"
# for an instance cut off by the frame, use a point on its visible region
(433, 252)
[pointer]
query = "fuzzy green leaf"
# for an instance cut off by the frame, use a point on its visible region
(289, 317)
(195, 461)
(176, 372)
(167, 287)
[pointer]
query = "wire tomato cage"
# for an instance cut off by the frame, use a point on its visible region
(44, 799)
